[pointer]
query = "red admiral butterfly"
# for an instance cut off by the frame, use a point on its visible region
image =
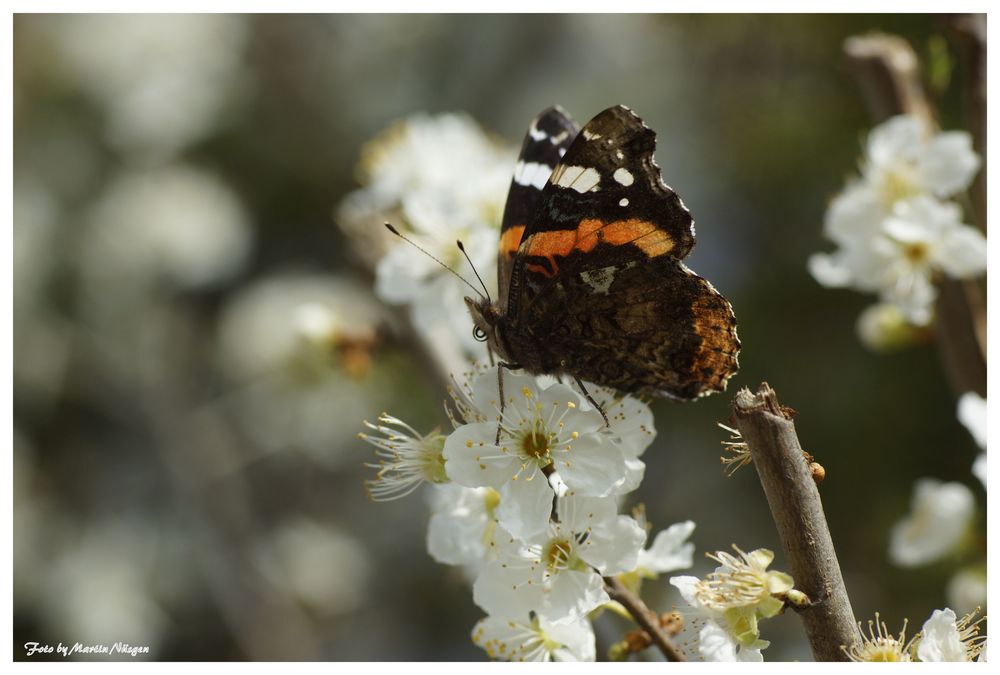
(592, 283)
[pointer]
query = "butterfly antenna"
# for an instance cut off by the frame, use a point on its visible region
(474, 271)
(435, 259)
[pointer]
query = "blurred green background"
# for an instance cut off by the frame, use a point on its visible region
(175, 179)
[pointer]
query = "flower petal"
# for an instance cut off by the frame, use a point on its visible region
(504, 591)
(898, 139)
(972, 415)
(948, 163)
(940, 640)
(670, 550)
(576, 637)
(614, 547)
(575, 593)
(593, 467)
(525, 506)
(939, 519)
(472, 460)
(962, 252)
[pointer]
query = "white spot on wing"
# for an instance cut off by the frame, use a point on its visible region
(532, 173)
(624, 176)
(536, 133)
(556, 140)
(623, 202)
(580, 178)
(600, 280)
(619, 154)
(590, 136)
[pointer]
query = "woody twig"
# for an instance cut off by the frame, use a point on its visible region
(793, 497)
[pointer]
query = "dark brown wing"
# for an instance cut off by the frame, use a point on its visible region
(601, 290)
(654, 328)
(606, 189)
(548, 137)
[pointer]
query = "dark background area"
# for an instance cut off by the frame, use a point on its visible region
(156, 503)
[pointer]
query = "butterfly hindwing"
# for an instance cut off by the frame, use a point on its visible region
(547, 140)
(655, 328)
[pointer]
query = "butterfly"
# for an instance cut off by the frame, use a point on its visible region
(592, 283)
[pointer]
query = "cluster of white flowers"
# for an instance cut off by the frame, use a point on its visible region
(534, 517)
(898, 229)
(438, 180)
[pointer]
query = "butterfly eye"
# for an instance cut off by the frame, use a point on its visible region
(478, 334)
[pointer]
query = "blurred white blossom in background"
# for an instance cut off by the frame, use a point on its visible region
(939, 521)
(317, 565)
(972, 413)
(98, 585)
(163, 80)
(966, 590)
(437, 180)
(895, 228)
(883, 327)
(175, 225)
(294, 347)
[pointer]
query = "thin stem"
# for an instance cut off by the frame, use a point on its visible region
(644, 617)
(797, 511)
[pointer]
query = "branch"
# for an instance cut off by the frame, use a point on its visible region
(791, 492)
(644, 617)
(889, 75)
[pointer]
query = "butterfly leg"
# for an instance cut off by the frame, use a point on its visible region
(500, 366)
(594, 403)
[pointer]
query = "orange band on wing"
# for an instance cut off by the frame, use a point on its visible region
(589, 233)
(510, 240)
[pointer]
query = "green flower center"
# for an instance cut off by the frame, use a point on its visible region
(535, 444)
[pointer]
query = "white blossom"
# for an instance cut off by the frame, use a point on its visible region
(293, 347)
(715, 643)
(972, 414)
(879, 645)
(896, 234)
(176, 224)
(939, 519)
(945, 637)
(317, 565)
(162, 80)
(438, 180)
(966, 590)
(559, 571)
(463, 526)
(904, 159)
(535, 638)
(669, 551)
(541, 430)
(407, 458)
(883, 327)
(739, 593)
